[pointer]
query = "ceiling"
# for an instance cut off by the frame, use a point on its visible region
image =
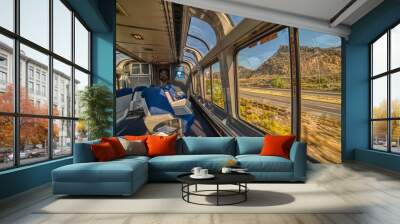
(329, 16)
(318, 9)
(152, 19)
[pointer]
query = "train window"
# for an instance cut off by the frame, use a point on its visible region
(264, 83)
(190, 55)
(207, 83)
(235, 20)
(202, 30)
(140, 75)
(198, 84)
(197, 44)
(135, 69)
(217, 91)
(194, 80)
(320, 71)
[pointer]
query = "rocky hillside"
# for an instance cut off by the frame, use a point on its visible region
(314, 60)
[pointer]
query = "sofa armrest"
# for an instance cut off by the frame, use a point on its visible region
(83, 152)
(298, 155)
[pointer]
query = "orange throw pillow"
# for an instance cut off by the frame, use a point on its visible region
(116, 145)
(277, 145)
(161, 145)
(103, 152)
(136, 137)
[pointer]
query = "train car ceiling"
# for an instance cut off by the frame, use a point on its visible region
(147, 33)
(333, 17)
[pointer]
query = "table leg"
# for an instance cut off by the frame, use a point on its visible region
(245, 193)
(188, 189)
(182, 188)
(217, 194)
(195, 188)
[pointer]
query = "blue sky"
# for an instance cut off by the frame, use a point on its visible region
(192, 42)
(235, 19)
(316, 39)
(203, 30)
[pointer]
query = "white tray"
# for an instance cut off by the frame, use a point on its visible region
(208, 176)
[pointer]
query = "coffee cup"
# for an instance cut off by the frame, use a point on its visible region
(203, 172)
(226, 170)
(196, 171)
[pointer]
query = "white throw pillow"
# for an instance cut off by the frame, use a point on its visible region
(136, 147)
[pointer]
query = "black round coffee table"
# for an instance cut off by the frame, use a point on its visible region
(238, 179)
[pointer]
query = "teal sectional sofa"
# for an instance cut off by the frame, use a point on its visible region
(125, 176)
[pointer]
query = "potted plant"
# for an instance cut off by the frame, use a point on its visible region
(96, 102)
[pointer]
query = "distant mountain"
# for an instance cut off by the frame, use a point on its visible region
(314, 60)
(324, 61)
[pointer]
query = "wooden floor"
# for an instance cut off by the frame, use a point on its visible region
(378, 189)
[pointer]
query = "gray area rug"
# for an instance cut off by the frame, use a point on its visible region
(166, 198)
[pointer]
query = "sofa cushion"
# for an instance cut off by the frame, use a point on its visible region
(161, 145)
(257, 163)
(112, 171)
(135, 137)
(104, 152)
(116, 145)
(135, 147)
(277, 145)
(133, 158)
(249, 145)
(185, 163)
(208, 145)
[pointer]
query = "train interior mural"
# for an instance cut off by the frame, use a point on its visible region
(206, 73)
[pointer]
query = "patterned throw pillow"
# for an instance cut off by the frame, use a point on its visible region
(133, 147)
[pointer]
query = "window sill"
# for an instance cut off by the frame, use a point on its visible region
(30, 166)
(382, 159)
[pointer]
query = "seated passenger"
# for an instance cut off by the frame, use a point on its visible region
(180, 105)
(168, 87)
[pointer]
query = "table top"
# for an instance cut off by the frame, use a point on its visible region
(220, 178)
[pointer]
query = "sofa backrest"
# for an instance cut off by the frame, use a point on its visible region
(249, 145)
(206, 145)
(83, 152)
(190, 146)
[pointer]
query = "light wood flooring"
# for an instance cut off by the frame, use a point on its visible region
(378, 189)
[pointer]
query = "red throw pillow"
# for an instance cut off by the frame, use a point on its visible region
(136, 137)
(277, 145)
(103, 152)
(116, 145)
(161, 145)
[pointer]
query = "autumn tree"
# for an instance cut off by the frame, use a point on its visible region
(33, 131)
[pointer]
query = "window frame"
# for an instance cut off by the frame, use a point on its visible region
(141, 74)
(16, 114)
(205, 83)
(388, 74)
(212, 84)
(208, 45)
(236, 80)
(232, 21)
